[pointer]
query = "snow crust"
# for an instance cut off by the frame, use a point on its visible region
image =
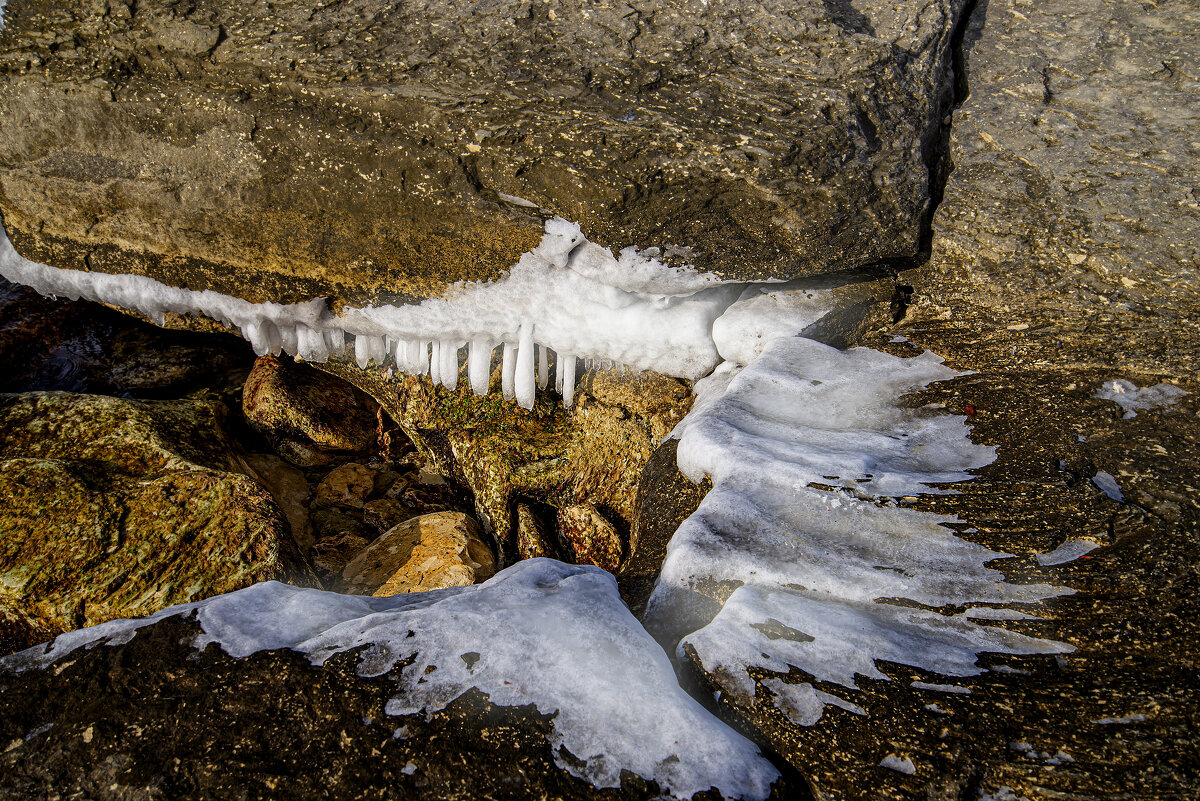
(1070, 550)
(545, 633)
(1127, 395)
(806, 447)
(899, 764)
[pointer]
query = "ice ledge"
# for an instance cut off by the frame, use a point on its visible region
(567, 299)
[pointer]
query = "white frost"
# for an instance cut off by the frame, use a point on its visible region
(540, 632)
(1127, 395)
(1068, 551)
(804, 445)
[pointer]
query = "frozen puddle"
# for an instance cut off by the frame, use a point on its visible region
(806, 447)
(540, 632)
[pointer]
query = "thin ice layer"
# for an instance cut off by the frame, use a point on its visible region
(804, 447)
(1129, 397)
(546, 633)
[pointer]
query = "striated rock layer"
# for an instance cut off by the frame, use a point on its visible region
(367, 151)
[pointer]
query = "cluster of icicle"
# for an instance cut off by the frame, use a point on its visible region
(524, 364)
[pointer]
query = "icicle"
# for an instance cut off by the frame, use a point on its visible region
(449, 367)
(558, 373)
(479, 366)
(396, 352)
(253, 333)
(435, 362)
(288, 336)
(362, 351)
(566, 366)
(416, 358)
(507, 367)
(525, 390)
(543, 366)
(310, 344)
(335, 338)
(272, 337)
(378, 351)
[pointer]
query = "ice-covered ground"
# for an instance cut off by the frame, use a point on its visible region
(540, 632)
(807, 447)
(566, 299)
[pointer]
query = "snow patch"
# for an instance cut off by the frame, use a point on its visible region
(1127, 395)
(1070, 550)
(804, 447)
(565, 300)
(940, 688)
(899, 764)
(546, 633)
(1107, 484)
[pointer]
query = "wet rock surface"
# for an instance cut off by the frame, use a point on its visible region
(343, 152)
(116, 508)
(154, 718)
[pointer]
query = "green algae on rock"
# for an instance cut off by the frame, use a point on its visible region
(117, 508)
(592, 453)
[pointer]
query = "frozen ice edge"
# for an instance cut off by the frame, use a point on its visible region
(808, 448)
(564, 300)
(546, 633)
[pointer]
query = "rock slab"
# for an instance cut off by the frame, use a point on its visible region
(346, 152)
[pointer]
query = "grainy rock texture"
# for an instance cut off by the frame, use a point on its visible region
(430, 552)
(593, 540)
(310, 418)
(116, 508)
(153, 718)
(370, 150)
(1064, 256)
(591, 453)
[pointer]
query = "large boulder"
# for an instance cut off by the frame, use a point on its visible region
(1063, 276)
(115, 508)
(310, 417)
(347, 151)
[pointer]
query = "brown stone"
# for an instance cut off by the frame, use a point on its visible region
(347, 485)
(382, 514)
(330, 555)
(532, 540)
(430, 552)
(309, 416)
(592, 539)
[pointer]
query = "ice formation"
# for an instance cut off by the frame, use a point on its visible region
(568, 299)
(546, 633)
(1127, 395)
(807, 447)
